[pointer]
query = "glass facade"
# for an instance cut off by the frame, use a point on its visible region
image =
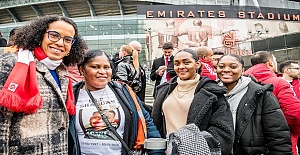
(110, 33)
(106, 33)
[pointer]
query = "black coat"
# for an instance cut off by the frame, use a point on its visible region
(209, 110)
(156, 64)
(142, 92)
(116, 61)
(260, 125)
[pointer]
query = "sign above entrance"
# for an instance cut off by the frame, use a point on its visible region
(218, 11)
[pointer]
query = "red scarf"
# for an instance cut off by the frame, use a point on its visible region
(20, 92)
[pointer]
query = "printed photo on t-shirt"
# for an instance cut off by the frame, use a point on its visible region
(93, 124)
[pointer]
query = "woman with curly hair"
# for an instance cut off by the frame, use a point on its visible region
(36, 95)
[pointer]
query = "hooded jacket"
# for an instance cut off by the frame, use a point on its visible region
(131, 119)
(289, 104)
(260, 127)
(209, 110)
(296, 87)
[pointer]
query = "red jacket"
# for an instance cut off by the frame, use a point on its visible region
(296, 87)
(289, 104)
(208, 69)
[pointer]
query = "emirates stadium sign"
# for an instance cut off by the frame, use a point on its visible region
(216, 11)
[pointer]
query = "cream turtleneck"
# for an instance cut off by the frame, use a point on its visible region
(177, 104)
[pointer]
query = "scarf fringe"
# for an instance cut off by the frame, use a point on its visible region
(15, 103)
(71, 107)
(33, 104)
(11, 101)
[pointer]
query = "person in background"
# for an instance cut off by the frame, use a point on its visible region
(36, 97)
(215, 58)
(205, 57)
(264, 69)
(116, 60)
(163, 67)
(111, 95)
(291, 73)
(141, 94)
(128, 70)
(3, 41)
(260, 126)
(11, 36)
(10, 47)
(190, 98)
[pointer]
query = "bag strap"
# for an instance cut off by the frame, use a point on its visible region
(110, 127)
(142, 128)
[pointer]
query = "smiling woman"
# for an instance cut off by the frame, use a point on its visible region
(36, 96)
(197, 99)
(260, 126)
(115, 102)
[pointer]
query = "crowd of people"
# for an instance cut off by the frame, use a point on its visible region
(60, 97)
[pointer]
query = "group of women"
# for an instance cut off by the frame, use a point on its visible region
(42, 114)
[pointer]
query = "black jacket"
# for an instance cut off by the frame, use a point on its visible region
(156, 64)
(260, 124)
(127, 73)
(209, 110)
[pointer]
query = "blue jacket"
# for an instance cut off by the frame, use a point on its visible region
(131, 117)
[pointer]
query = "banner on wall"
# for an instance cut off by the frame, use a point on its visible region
(230, 29)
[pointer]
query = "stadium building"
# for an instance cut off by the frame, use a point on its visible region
(108, 24)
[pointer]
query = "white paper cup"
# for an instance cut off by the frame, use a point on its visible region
(155, 143)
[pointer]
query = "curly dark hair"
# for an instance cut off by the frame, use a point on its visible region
(32, 34)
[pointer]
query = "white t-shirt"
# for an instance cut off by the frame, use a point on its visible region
(94, 137)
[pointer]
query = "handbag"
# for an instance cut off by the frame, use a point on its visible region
(136, 151)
